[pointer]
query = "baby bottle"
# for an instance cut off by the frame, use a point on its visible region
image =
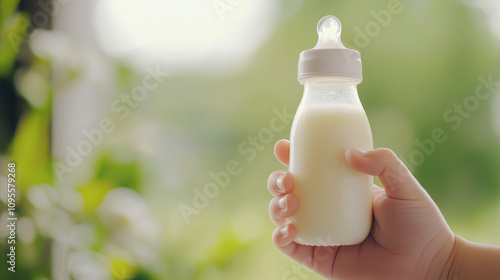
(335, 201)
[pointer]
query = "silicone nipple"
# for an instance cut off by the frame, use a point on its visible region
(329, 58)
(329, 29)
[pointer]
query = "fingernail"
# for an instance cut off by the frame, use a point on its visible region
(279, 183)
(284, 231)
(282, 203)
(359, 153)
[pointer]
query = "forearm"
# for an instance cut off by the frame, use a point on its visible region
(471, 261)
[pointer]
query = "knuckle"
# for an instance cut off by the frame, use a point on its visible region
(271, 180)
(389, 154)
(386, 152)
(273, 207)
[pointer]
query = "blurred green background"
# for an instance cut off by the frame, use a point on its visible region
(121, 207)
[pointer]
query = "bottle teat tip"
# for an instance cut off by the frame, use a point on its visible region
(329, 29)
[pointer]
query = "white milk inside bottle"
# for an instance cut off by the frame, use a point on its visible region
(335, 201)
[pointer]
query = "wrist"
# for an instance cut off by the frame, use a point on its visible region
(453, 265)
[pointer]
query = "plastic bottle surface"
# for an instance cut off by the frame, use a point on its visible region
(335, 201)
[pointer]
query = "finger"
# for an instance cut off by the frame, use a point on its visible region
(283, 207)
(319, 259)
(282, 151)
(397, 180)
(376, 190)
(280, 182)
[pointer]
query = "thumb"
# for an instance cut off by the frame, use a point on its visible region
(397, 180)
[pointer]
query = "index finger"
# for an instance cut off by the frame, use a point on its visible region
(282, 151)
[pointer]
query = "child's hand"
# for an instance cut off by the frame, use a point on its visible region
(409, 238)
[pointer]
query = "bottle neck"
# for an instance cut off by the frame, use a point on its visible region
(331, 91)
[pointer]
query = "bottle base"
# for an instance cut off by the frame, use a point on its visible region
(328, 244)
(324, 242)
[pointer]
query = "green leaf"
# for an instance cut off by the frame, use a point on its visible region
(93, 194)
(30, 150)
(7, 8)
(13, 34)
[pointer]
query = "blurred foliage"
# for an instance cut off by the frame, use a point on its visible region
(122, 220)
(13, 29)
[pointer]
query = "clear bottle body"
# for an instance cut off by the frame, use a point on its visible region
(335, 201)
